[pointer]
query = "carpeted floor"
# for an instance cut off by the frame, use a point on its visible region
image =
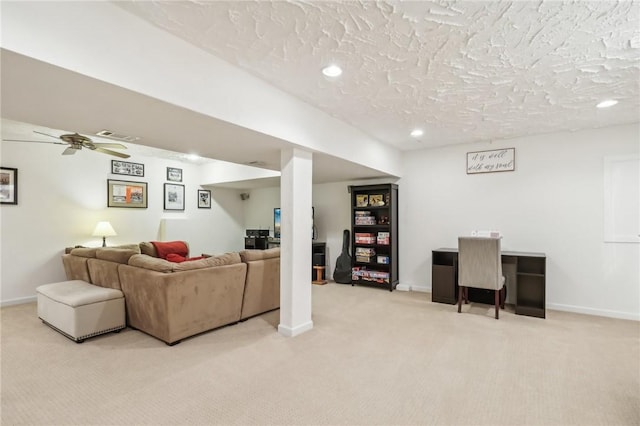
(373, 357)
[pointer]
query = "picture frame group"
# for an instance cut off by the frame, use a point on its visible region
(119, 167)
(122, 193)
(174, 174)
(173, 196)
(8, 185)
(204, 199)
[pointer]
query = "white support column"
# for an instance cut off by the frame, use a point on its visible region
(295, 242)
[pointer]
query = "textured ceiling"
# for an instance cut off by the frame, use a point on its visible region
(463, 71)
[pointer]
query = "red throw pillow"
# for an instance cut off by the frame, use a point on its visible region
(175, 247)
(176, 258)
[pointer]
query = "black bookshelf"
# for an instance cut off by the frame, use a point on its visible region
(374, 235)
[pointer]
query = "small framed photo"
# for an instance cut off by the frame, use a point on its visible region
(126, 168)
(362, 200)
(204, 199)
(376, 200)
(174, 175)
(8, 185)
(173, 196)
(122, 193)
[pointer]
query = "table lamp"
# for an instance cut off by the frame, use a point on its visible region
(104, 230)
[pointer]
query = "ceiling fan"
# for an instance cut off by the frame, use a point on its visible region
(77, 141)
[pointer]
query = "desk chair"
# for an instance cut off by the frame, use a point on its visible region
(480, 266)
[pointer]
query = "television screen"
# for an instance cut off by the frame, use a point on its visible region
(276, 222)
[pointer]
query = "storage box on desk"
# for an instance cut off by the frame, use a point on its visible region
(365, 238)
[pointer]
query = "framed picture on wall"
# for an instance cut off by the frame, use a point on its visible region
(122, 193)
(8, 185)
(204, 199)
(173, 196)
(126, 168)
(174, 175)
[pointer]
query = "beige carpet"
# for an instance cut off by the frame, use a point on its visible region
(373, 357)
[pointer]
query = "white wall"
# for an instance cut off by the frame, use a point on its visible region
(61, 198)
(553, 203)
(258, 208)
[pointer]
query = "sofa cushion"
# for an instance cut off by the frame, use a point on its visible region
(149, 262)
(250, 255)
(134, 247)
(84, 251)
(209, 262)
(148, 249)
(165, 247)
(118, 255)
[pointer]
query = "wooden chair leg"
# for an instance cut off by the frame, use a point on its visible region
(503, 296)
(466, 295)
(497, 301)
(460, 291)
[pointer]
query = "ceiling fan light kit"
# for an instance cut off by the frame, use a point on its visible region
(77, 141)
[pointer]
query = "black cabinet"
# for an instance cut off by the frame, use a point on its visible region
(318, 258)
(374, 235)
(255, 243)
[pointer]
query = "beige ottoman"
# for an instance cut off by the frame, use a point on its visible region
(80, 310)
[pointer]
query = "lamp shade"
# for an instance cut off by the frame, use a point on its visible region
(104, 229)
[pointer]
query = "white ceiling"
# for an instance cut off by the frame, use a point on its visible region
(463, 71)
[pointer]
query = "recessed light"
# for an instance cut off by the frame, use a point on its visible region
(416, 133)
(192, 157)
(606, 104)
(332, 71)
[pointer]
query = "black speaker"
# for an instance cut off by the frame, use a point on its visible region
(318, 259)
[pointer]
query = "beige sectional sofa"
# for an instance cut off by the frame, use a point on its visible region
(172, 301)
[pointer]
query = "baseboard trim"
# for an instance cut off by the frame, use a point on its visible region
(413, 287)
(421, 288)
(18, 301)
(292, 332)
(596, 312)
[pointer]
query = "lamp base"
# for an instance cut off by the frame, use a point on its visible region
(104, 241)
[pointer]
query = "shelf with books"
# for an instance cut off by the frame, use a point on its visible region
(374, 231)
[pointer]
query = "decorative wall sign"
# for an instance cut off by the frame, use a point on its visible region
(497, 160)
(204, 199)
(174, 175)
(126, 168)
(8, 185)
(173, 196)
(121, 193)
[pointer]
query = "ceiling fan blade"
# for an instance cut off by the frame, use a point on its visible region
(108, 151)
(20, 140)
(70, 151)
(109, 145)
(46, 134)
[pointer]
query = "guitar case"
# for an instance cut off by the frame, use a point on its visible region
(342, 273)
